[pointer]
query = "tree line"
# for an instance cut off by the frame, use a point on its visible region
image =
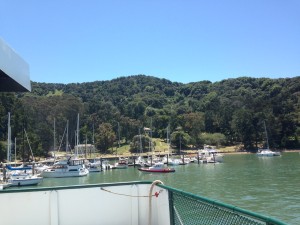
(228, 112)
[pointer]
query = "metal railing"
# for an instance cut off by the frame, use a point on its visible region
(190, 209)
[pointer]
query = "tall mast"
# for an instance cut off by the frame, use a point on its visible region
(54, 136)
(94, 140)
(118, 138)
(151, 147)
(77, 137)
(8, 139)
(15, 151)
(266, 133)
(67, 136)
(141, 145)
(168, 138)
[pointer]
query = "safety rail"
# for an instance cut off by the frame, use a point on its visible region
(134, 203)
(190, 209)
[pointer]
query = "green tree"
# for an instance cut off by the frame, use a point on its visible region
(140, 144)
(105, 137)
(216, 139)
(193, 124)
(180, 140)
(243, 127)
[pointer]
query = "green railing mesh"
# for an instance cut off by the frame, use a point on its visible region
(189, 209)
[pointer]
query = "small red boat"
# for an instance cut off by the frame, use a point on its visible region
(157, 168)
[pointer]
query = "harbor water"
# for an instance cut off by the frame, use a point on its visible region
(266, 185)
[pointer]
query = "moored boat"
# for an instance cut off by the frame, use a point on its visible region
(22, 176)
(267, 153)
(24, 180)
(66, 168)
(4, 184)
(210, 155)
(157, 168)
(121, 164)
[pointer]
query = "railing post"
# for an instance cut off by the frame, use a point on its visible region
(171, 208)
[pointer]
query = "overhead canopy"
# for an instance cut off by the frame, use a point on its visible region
(14, 71)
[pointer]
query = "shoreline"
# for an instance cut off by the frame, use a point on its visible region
(194, 153)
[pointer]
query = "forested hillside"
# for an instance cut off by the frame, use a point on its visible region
(228, 112)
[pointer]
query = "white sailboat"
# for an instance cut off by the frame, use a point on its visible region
(266, 152)
(4, 183)
(70, 167)
(19, 176)
(94, 164)
(169, 160)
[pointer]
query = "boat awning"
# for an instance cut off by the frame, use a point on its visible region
(14, 71)
(18, 168)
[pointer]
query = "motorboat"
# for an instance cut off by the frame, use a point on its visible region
(4, 185)
(157, 168)
(209, 154)
(174, 162)
(121, 164)
(22, 176)
(66, 168)
(94, 165)
(24, 179)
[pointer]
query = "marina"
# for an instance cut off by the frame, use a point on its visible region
(231, 189)
(268, 186)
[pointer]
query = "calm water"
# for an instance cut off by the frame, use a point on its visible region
(268, 186)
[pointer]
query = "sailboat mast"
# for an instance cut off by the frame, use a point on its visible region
(15, 151)
(151, 136)
(8, 139)
(67, 136)
(77, 137)
(94, 139)
(54, 136)
(141, 146)
(118, 138)
(266, 133)
(168, 139)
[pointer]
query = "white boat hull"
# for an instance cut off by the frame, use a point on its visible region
(90, 204)
(25, 181)
(267, 153)
(4, 185)
(48, 173)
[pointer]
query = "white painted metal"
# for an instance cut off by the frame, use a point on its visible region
(125, 204)
(14, 66)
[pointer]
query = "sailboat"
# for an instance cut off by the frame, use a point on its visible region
(122, 162)
(22, 175)
(157, 166)
(4, 183)
(169, 160)
(266, 152)
(139, 161)
(70, 167)
(94, 164)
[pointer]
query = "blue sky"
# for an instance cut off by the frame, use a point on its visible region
(75, 41)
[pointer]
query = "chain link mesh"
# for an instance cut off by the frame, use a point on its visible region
(189, 210)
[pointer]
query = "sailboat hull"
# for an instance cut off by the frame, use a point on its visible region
(25, 181)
